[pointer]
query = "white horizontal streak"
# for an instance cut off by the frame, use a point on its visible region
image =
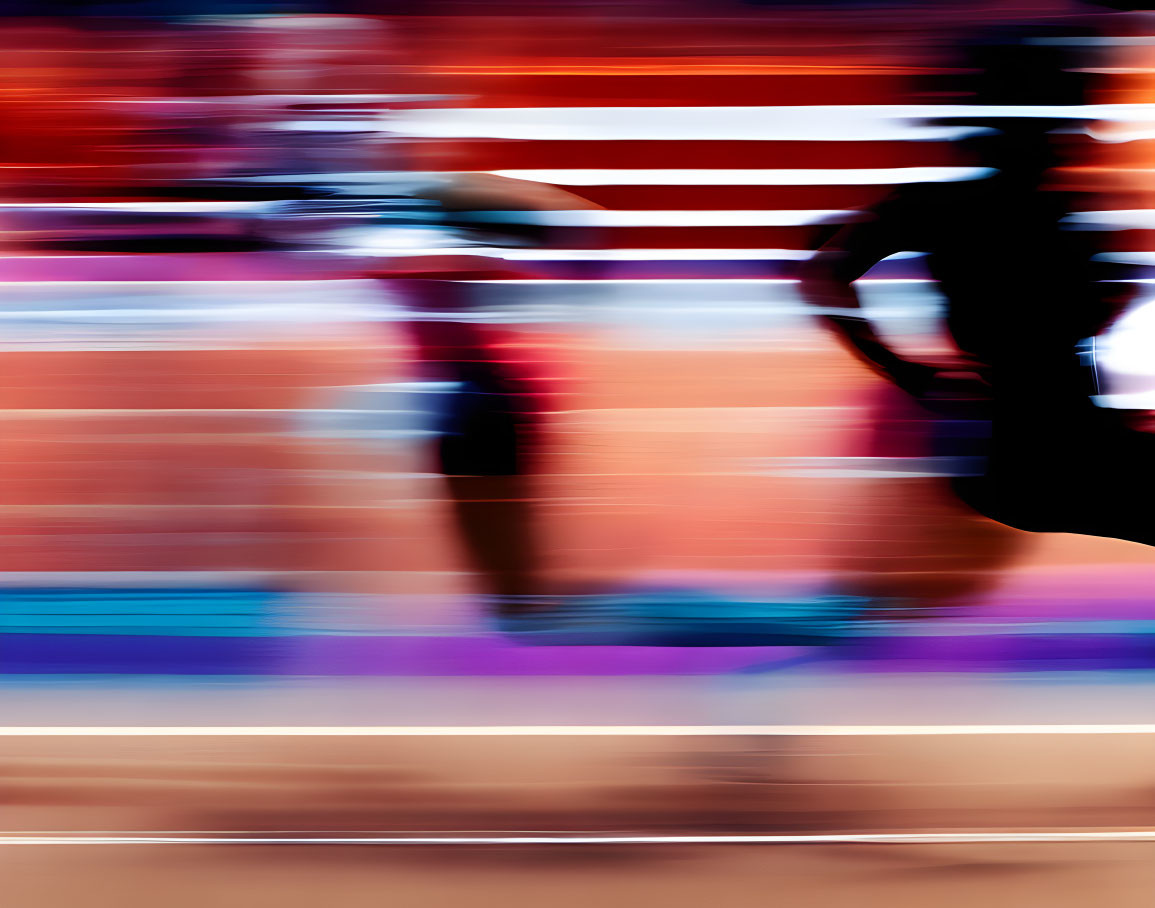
(701, 281)
(1123, 219)
(631, 255)
(789, 217)
(786, 177)
(1130, 400)
(860, 838)
(885, 122)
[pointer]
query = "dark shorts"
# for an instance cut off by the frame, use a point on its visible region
(486, 432)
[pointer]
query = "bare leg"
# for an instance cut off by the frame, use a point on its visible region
(912, 541)
(495, 518)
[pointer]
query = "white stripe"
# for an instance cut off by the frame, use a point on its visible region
(340, 126)
(626, 255)
(1131, 400)
(656, 255)
(833, 176)
(885, 122)
(790, 217)
(791, 177)
(1127, 258)
(630, 255)
(877, 838)
(1141, 218)
(701, 281)
(584, 731)
(1123, 219)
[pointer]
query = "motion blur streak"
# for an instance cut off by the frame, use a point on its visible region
(796, 177)
(659, 426)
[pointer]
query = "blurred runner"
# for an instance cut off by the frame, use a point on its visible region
(1011, 412)
(497, 393)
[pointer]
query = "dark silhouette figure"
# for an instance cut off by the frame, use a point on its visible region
(1022, 292)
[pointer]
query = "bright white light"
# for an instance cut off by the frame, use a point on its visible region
(1126, 350)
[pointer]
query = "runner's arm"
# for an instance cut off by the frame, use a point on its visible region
(826, 282)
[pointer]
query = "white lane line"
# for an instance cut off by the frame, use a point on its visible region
(911, 838)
